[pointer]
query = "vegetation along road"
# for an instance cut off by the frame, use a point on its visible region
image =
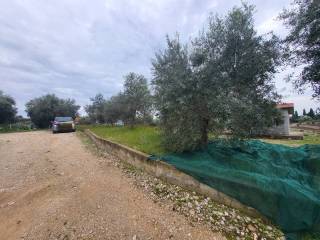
(53, 187)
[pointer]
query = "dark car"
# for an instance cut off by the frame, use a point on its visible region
(63, 124)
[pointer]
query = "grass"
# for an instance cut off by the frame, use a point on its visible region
(142, 138)
(309, 138)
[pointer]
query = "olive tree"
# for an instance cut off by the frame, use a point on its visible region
(247, 65)
(114, 109)
(175, 97)
(95, 110)
(224, 82)
(135, 99)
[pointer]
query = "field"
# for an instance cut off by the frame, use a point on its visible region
(147, 139)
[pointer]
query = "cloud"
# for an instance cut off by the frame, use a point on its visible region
(77, 48)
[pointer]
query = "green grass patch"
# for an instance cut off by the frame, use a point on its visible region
(308, 138)
(142, 138)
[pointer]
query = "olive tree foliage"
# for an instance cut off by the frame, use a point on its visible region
(175, 97)
(247, 66)
(8, 109)
(95, 110)
(223, 84)
(303, 42)
(136, 99)
(113, 109)
(44, 109)
(132, 106)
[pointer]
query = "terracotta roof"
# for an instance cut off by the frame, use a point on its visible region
(285, 105)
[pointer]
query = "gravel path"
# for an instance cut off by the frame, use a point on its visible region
(52, 187)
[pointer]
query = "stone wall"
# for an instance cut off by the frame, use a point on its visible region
(167, 173)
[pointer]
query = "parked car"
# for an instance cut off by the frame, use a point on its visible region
(63, 124)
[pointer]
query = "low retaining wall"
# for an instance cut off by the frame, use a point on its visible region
(167, 173)
(288, 137)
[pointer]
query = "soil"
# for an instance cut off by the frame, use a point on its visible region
(53, 187)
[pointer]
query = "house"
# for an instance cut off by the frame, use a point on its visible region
(283, 128)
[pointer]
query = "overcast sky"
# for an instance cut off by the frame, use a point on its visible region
(77, 48)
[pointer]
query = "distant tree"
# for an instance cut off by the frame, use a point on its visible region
(8, 108)
(224, 84)
(295, 117)
(114, 109)
(136, 98)
(304, 113)
(311, 113)
(132, 105)
(44, 109)
(95, 110)
(303, 44)
(305, 118)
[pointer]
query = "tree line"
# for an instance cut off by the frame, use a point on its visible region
(220, 81)
(133, 105)
(306, 116)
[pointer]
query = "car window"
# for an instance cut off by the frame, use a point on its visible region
(63, 119)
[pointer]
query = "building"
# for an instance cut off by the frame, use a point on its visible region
(283, 128)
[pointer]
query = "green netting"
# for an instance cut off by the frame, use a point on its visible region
(282, 182)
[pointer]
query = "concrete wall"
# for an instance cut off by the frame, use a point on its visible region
(283, 128)
(167, 173)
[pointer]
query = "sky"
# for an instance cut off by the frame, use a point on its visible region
(78, 48)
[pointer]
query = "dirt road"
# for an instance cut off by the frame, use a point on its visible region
(52, 187)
